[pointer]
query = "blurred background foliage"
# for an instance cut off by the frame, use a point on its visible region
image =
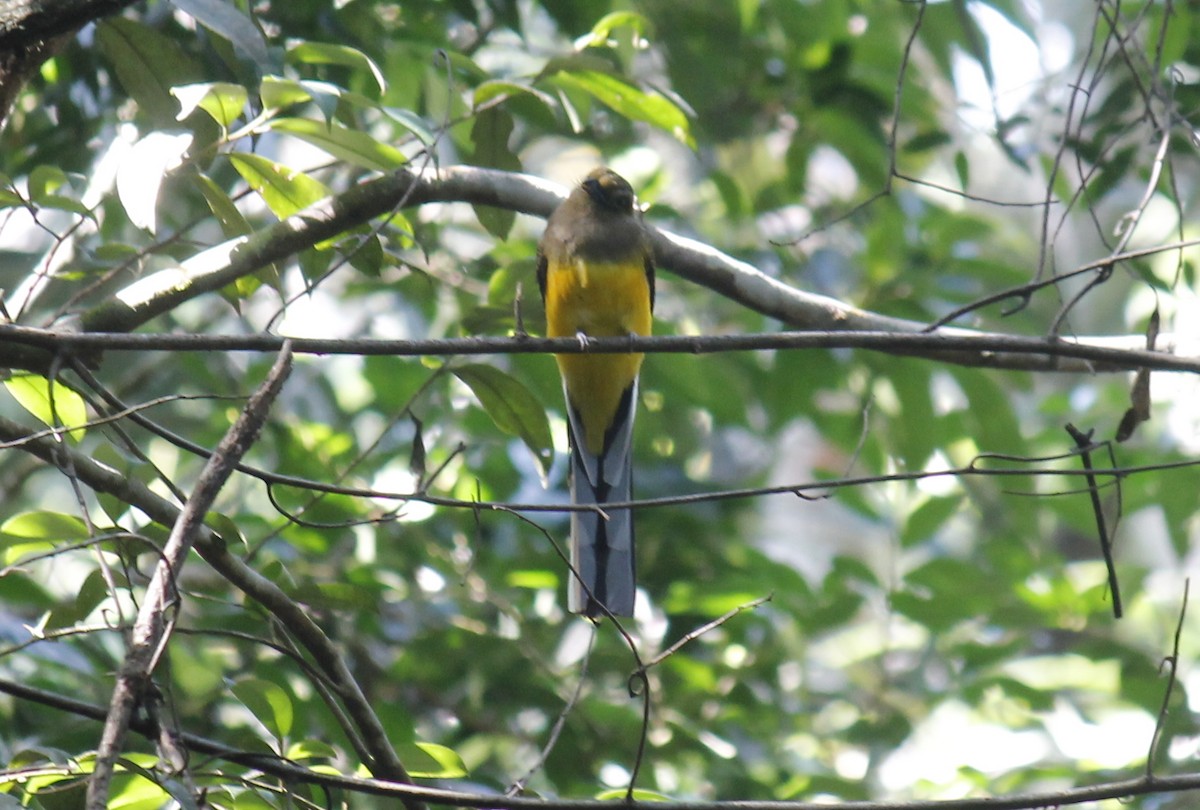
(929, 638)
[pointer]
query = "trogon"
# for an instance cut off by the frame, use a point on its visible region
(596, 273)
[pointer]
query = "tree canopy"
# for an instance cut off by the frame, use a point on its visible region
(285, 507)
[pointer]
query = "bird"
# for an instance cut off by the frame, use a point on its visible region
(595, 269)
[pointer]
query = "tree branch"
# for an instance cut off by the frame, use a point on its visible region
(218, 266)
(1011, 352)
(152, 629)
(211, 547)
(290, 771)
(33, 30)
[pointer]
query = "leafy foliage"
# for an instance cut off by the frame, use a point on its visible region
(927, 634)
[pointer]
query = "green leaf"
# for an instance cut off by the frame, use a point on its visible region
(141, 175)
(504, 88)
(249, 800)
(350, 145)
(54, 405)
(227, 214)
(268, 702)
(8, 802)
(10, 199)
(45, 180)
(323, 53)
(44, 183)
(284, 190)
(601, 32)
(413, 123)
(630, 101)
(366, 254)
(226, 20)
(92, 592)
(1114, 171)
(926, 519)
(311, 749)
(532, 579)
(197, 671)
(963, 169)
(147, 63)
(489, 135)
(512, 406)
(925, 141)
(747, 13)
(335, 596)
(430, 761)
(223, 101)
(279, 93)
(55, 526)
(135, 792)
(226, 527)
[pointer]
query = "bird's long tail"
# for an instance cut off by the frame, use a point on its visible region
(602, 548)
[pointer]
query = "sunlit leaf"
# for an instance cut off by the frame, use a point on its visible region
(141, 174)
(30, 533)
(640, 794)
(279, 93)
(223, 101)
(501, 88)
(311, 749)
(53, 404)
(136, 792)
(284, 190)
(268, 702)
(532, 579)
(44, 184)
(630, 101)
(602, 31)
(351, 145)
(223, 208)
(431, 761)
(324, 53)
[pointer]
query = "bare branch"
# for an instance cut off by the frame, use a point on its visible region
(152, 628)
(212, 548)
(1012, 352)
(690, 259)
(409, 794)
(1083, 443)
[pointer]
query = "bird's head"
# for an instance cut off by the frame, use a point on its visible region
(609, 190)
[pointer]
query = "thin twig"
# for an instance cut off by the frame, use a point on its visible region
(220, 265)
(518, 786)
(1083, 442)
(980, 349)
(1171, 661)
(692, 635)
(293, 772)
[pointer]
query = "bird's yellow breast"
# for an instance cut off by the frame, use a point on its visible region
(597, 299)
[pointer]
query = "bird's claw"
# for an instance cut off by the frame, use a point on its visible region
(583, 340)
